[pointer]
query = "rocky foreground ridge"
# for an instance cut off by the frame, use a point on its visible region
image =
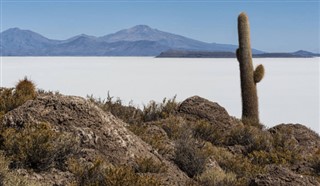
(195, 143)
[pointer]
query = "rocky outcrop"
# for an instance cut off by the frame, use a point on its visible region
(307, 140)
(282, 176)
(196, 107)
(100, 133)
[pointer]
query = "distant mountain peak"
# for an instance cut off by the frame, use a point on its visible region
(14, 29)
(141, 27)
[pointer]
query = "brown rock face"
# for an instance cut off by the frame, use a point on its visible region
(199, 108)
(301, 136)
(99, 132)
(282, 176)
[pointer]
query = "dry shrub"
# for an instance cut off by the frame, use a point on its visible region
(12, 98)
(38, 147)
(156, 140)
(188, 157)
(7, 100)
(8, 177)
(208, 132)
(236, 164)
(250, 137)
(286, 150)
(128, 114)
(148, 165)
(216, 177)
(155, 111)
(174, 126)
(102, 174)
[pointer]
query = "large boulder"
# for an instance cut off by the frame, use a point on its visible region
(195, 108)
(299, 135)
(282, 176)
(99, 132)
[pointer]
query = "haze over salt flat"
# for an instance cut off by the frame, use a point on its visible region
(289, 93)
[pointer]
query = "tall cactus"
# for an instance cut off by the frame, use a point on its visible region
(248, 76)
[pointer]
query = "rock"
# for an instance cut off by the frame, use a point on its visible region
(307, 140)
(282, 176)
(100, 132)
(195, 108)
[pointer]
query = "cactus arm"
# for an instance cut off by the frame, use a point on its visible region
(258, 73)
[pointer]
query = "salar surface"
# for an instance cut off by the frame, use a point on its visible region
(289, 93)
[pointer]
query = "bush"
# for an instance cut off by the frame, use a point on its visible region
(12, 98)
(38, 147)
(250, 137)
(148, 165)
(7, 100)
(189, 158)
(174, 126)
(101, 174)
(286, 150)
(236, 164)
(132, 115)
(128, 114)
(156, 140)
(7, 177)
(155, 111)
(216, 177)
(208, 132)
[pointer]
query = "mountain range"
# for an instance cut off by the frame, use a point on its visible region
(140, 40)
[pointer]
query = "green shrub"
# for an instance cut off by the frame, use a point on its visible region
(250, 137)
(148, 165)
(188, 157)
(132, 115)
(102, 174)
(286, 149)
(38, 147)
(155, 111)
(128, 114)
(157, 141)
(174, 126)
(236, 164)
(208, 132)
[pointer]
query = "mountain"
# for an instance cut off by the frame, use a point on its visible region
(173, 41)
(23, 42)
(140, 40)
(305, 53)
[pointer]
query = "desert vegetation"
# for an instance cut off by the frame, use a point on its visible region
(195, 145)
(241, 153)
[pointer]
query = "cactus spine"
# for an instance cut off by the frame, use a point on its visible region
(248, 77)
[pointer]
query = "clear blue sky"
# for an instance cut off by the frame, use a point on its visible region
(275, 25)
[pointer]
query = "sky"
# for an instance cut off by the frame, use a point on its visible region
(276, 25)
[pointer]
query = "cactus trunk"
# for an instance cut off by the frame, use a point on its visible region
(250, 113)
